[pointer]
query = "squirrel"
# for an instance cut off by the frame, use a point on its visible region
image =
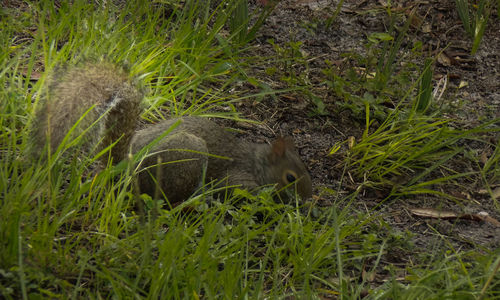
(196, 150)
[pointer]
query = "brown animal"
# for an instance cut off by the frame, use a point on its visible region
(197, 151)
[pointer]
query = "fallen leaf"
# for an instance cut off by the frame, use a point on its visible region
(351, 141)
(433, 213)
(315, 5)
(483, 157)
(426, 28)
(486, 217)
(496, 193)
(445, 214)
(444, 60)
(463, 84)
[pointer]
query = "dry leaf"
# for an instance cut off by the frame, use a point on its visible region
(368, 276)
(496, 193)
(444, 60)
(486, 217)
(426, 28)
(443, 214)
(483, 157)
(433, 213)
(314, 5)
(351, 141)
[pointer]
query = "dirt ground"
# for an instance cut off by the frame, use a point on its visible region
(472, 93)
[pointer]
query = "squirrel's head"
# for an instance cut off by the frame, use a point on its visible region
(287, 169)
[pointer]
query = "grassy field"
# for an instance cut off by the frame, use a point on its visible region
(67, 231)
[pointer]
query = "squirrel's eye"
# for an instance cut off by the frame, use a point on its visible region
(290, 177)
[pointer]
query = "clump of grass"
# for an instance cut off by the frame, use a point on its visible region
(474, 19)
(412, 144)
(405, 144)
(405, 150)
(374, 79)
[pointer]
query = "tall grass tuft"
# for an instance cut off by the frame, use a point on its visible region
(474, 23)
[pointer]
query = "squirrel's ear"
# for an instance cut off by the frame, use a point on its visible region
(280, 145)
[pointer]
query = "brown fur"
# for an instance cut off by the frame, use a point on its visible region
(102, 90)
(245, 164)
(175, 165)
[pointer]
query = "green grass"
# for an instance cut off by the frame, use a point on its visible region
(474, 19)
(68, 231)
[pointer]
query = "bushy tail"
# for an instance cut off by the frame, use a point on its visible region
(95, 102)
